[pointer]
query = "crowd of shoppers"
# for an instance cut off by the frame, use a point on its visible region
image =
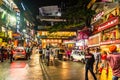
(97, 60)
(93, 60)
(6, 52)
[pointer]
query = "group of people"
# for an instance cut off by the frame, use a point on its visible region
(112, 59)
(6, 53)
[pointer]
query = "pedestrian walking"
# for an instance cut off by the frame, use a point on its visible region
(68, 53)
(97, 56)
(2, 50)
(28, 52)
(89, 61)
(40, 52)
(11, 54)
(114, 61)
(47, 56)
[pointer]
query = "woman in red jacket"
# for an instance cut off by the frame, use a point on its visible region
(104, 63)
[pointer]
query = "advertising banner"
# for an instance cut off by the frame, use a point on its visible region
(83, 34)
(110, 23)
(107, 0)
(94, 40)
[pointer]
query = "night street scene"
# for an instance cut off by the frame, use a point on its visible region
(59, 40)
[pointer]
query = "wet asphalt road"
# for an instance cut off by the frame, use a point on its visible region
(67, 70)
(21, 69)
(32, 70)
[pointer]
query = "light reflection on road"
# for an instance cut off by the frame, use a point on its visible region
(21, 70)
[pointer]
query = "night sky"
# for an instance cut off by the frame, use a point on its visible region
(34, 5)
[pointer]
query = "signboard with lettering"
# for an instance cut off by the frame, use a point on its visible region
(98, 16)
(94, 40)
(110, 42)
(110, 23)
(2, 34)
(82, 35)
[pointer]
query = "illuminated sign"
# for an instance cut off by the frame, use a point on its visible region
(98, 16)
(1, 40)
(110, 23)
(110, 42)
(82, 34)
(51, 40)
(56, 34)
(18, 21)
(23, 6)
(107, 0)
(2, 34)
(94, 40)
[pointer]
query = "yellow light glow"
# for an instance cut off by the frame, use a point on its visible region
(12, 19)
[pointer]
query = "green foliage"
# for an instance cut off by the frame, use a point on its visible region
(76, 14)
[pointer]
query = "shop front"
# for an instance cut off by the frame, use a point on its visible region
(94, 41)
(82, 38)
(3, 39)
(51, 42)
(16, 38)
(110, 33)
(69, 44)
(106, 22)
(55, 38)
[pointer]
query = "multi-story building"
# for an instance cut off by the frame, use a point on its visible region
(8, 20)
(28, 22)
(106, 25)
(14, 22)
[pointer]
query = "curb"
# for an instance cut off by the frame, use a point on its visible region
(44, 71)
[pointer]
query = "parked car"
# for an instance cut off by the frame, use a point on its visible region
(78, 55)
(19, 52)
(60, 53)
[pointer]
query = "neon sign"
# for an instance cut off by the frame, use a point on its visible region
(98, 16)
(112, 22)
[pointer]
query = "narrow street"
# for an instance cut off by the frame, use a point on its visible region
(34, 69)
(66, 70)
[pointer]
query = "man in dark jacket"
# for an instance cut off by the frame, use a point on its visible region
(11, 54)
(89, 60)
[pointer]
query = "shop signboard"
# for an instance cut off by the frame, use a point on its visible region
(16, 35)
(82, 35)
(98, 16)
(94, 40)
(110, 42)
(107, 0)
(110, 23)
(1, 40)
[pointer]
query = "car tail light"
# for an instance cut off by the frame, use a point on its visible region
(13, 52)
(23, 52)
